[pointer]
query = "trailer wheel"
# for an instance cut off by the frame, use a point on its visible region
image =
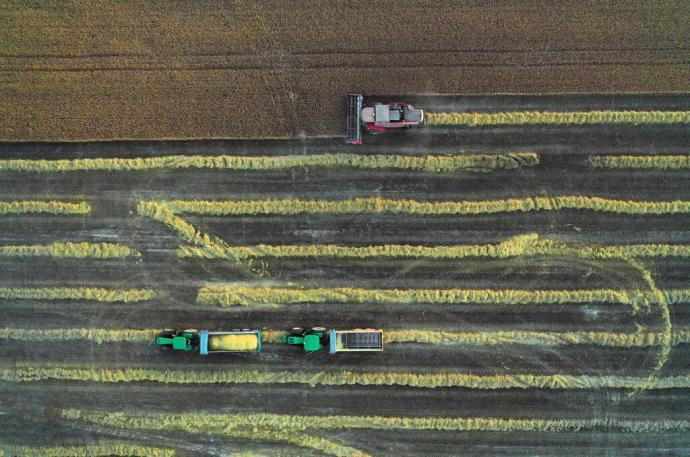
(297, 330)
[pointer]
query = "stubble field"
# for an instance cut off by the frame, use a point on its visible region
(531, 281)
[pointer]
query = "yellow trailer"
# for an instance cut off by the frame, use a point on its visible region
(229, 341)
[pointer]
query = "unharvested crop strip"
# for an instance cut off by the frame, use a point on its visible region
(32, 373)
(429, 163)
(239, 295)
(558, 118)
(70, 250)
(37, 206)
(218, 423)
(77, 293)
(651, 162)
(377, 205)
(92, 450)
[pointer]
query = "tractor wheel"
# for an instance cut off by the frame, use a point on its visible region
(297, 330)
(318, 329)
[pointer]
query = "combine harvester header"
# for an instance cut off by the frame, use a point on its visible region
(377, 117)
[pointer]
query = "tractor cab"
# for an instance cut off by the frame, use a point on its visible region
(311, 339)
(377, 117)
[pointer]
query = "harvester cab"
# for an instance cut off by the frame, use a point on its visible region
(377, 117)
(207, 342)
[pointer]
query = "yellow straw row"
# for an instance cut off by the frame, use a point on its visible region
(218, 423)
(651, 162)
(50, 207)
(428, 163)
(76, 293)
(558, 118)
(31, 373)
(91, 450)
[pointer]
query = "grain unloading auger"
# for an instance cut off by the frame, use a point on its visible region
(377, 117)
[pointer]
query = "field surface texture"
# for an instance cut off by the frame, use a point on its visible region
(71, 70)
(527, 256)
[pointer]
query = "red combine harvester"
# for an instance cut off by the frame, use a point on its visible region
(377, 117)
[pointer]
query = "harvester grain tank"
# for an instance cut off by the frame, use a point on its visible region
(378, 117)
(210, 342)
(317, 338)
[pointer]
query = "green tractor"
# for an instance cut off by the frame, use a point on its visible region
(311, 339)
(184, 340)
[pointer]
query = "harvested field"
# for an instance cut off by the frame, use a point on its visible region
(31, 373)
(248, 296)
(556, 285)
